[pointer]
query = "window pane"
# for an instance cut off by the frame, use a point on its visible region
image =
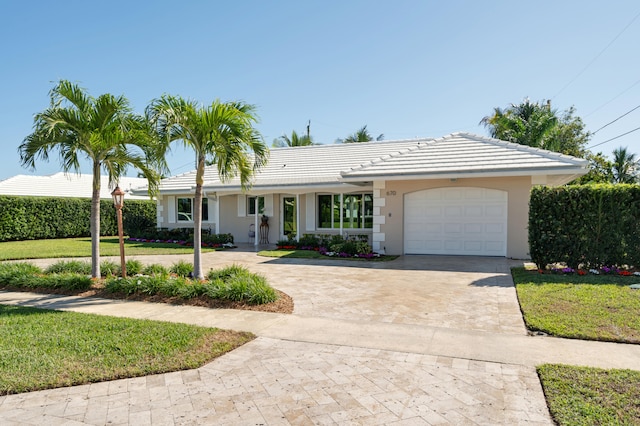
(352, 211)
(324, 211)
(205, 209)
(251, 205)
(336, 211)
(184, 210)
(368, 210)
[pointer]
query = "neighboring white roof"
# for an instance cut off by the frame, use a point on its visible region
(67, 185)
(455, 155)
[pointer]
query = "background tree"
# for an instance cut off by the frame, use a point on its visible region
(361, 135)
(624, 166)
(223, 133)
(538, 125)
(600, 170)
(103, 130)
(294, 140)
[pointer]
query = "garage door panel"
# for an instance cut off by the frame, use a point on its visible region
(466, 221)
(453, 210)
(473, 228)
(473, 211)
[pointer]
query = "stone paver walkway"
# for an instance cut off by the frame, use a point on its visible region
(421, 340)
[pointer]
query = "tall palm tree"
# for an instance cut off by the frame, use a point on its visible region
(361, 135)
(294, 140)
(102, 129)
(528, 123)
(624, 166)
(223, 133)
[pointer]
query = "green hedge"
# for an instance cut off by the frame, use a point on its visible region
(587, 225)
(35, 218)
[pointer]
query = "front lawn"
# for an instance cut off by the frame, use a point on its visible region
(591, 307)
(81, 247)
(42, 349)
(591, 396)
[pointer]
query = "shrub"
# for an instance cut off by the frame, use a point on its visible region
(155, 269)
(109, 268)
(69, 266)
(133, 266)
(351, 247)
(226, 272)
(182, 268)
(14, 273)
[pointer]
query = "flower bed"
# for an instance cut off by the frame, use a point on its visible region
(605, 270)
(183, 243)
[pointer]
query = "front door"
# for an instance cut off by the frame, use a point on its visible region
(289, 214)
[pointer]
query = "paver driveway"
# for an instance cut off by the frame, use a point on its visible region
(292, 381)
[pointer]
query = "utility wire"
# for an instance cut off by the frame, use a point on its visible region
(612, 99)
(611, 122)
(597, 56)
(616, 137)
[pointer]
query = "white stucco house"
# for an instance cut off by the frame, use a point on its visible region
(461, 194)
(68, 185)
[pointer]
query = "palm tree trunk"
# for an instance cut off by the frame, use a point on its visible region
(197, 221)
(95, 222)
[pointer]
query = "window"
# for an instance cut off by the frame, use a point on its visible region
(251, 205)
(185, 209)
(357, 211)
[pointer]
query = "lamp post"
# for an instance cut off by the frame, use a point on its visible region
(118, 202)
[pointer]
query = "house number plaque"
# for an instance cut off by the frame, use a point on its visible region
(391, 193)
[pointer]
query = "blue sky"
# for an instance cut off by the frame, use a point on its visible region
(404, 68)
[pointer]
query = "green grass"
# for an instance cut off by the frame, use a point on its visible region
(310, 254)
(591, 396)
(42, 349)
(591, 307)
(81, 247)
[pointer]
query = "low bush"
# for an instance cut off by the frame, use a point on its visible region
(26, 275)
(69, 266)
(109, 268)
(134, 266)
(182, 268)
(155, 269)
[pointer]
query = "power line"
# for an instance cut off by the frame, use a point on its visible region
(616, 137)
(611, 122)
(597, 56)
(612, 99)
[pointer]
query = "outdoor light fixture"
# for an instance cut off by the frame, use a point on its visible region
(118, 202)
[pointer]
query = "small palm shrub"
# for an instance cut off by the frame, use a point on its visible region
(155, 269)
(26, 275)
(182, 268)
(69, 266)
(109, 268)
(133, 267)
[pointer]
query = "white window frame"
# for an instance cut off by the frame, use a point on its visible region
(205, 200)
(341, 201)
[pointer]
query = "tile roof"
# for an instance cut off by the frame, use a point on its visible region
(458, 154)
(68, 185)
(462, 155)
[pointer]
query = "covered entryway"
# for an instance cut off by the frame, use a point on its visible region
(456, 221)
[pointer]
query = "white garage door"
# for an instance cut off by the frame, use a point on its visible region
(462, 221)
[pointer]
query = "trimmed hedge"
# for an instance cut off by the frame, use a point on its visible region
(35, 218)
(586, 225)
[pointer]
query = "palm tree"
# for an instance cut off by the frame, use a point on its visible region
(105, 131)
(528, 123)
(223, 132)
(361, 135)
(624, 166)
(294, 140)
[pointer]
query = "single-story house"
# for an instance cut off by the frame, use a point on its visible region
(461, 194)
(69, 185)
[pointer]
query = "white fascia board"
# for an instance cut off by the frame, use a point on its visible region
(572, 171)
(289, 189)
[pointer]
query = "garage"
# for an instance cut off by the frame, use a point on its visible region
(456, 221)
